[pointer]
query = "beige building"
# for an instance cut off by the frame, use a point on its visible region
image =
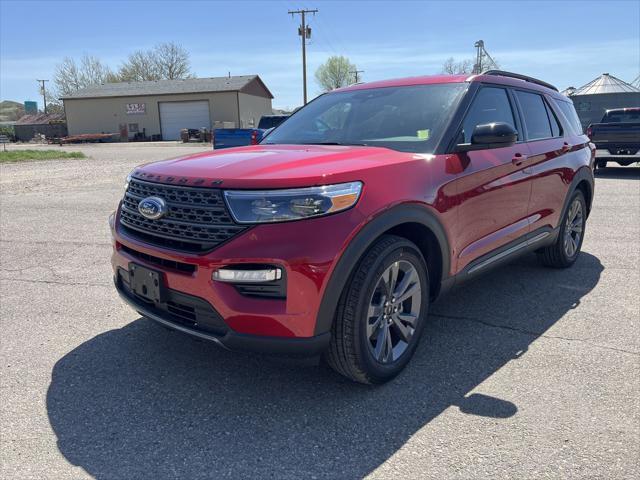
(158, 110)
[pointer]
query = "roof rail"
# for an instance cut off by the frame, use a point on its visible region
(526, 78)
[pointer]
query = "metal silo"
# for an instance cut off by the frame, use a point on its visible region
(602, 93)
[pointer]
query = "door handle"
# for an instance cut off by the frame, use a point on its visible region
(565, 147)
(518, 158)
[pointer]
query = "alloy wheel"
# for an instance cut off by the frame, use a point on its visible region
(394, 310)
(574, 228)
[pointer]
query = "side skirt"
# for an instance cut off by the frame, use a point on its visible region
(531, 242)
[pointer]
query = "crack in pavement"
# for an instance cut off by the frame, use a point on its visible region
(533, 333)
(49, 242)
(57, 282)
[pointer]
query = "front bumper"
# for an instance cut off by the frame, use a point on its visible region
(230, 340)
(307, 251)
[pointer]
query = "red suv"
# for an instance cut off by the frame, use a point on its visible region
(335, 233)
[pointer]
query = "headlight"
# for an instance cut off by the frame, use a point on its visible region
(263, 206)
(126, 182)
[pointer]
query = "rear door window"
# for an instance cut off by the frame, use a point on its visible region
(556, 129)
(535, 115)
(490, 105)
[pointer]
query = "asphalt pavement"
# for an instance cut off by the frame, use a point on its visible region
(526, 372)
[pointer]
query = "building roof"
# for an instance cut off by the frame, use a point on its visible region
(236, 83)
(605, 83)
(41, 119)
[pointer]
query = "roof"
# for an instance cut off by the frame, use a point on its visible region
(164, 87)
(605, 83)
(41, 119)
(403, 82)
(488, 77)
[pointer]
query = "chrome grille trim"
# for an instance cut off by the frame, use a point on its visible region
(197, 218)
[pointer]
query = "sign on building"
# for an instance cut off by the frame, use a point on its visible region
(136, 108)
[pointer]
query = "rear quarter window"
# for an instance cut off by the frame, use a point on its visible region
(556, 128)
(569, 112)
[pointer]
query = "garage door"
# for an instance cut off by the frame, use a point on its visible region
(175, 116)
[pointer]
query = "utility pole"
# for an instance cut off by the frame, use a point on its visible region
(44, 94)
(356, 72)
(305, 32)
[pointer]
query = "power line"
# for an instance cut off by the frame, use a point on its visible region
(304, 31)
(327, 27)
(44, 94)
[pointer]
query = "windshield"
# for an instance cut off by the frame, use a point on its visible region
(408, 119)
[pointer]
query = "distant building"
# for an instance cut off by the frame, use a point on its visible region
(50, 125)
(30, 108)
(158, 110)
(602, 93)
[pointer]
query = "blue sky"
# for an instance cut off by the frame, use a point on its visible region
(565, 43)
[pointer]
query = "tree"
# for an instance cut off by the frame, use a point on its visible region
(71, 75)
(172, 61)
(336, 72)
(140, 66)
(54, 105)
(165, 61)
(453, 67)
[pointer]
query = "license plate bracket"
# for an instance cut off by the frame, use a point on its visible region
(146, 283)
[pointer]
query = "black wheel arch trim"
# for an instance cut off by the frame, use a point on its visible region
(583, 174)
(393, 217)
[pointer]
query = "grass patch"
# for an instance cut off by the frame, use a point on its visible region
(11, 156)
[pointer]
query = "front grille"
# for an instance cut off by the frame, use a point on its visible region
(197, 219)
(173, 265)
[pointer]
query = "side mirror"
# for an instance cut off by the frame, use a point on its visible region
(490, 135)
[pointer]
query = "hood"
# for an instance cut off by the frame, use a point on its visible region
(272, 166)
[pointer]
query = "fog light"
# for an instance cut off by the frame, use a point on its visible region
(247, 276)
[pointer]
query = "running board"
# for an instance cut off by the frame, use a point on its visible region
(510, 251)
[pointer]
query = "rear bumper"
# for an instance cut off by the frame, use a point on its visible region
(603, 153)
(302, 347)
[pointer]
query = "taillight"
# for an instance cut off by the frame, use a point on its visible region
(589, 131)
(254, 137)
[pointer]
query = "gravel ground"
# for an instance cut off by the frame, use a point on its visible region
(524, 373)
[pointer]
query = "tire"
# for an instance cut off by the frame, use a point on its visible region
(367, 320)
(564, 252)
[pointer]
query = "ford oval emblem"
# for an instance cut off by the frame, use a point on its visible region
(152, 208)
